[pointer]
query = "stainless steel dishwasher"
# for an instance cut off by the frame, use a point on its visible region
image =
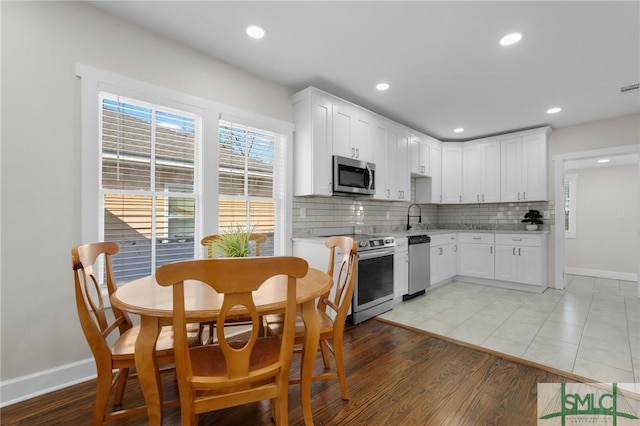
(419, 265)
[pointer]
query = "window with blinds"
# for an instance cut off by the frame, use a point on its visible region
(248, 169)
(570, 196)
(149, 183)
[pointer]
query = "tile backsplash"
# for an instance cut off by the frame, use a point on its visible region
(370, 216)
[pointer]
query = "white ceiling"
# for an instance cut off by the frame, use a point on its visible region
(442, 59)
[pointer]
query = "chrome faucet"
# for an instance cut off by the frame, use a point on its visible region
(409, 216)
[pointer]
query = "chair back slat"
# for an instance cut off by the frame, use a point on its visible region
(344, 281)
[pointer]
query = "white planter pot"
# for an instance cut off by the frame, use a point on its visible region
(532, 227)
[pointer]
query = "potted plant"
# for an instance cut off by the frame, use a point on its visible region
(533, 218)
(233, 242)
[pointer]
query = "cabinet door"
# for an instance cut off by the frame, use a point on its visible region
(452, 261)
(392, 138)
(451, 173)
(530, 266)
(490, 163)
(400, 274)
(476, 260)
(438, 263)
(510, 169)
(414, 156)
(313, 142)
(534, 168)
(471, 173)
(343, 125)
(403, 177)
(436, 172)
(381, 160)
(506, 263)
(362, 141)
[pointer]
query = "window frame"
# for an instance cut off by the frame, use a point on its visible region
(93, 81)
(572, 179)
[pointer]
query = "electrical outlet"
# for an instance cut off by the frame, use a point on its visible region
(500, 215)
(546, 214)
(303, 212)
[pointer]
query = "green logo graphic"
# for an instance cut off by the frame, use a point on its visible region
(588, 403)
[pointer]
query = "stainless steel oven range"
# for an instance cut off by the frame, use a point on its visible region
(373, 294)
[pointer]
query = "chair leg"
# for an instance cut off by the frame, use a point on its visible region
(103, 389)
(121, 383)
(339, 354)
(324, 350)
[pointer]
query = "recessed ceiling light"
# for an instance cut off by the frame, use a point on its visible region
(458, 130)
(255, 31)
(554, 110)
(510, 39)
(604, 160)
(382, 86)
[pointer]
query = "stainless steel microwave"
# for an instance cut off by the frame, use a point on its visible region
(353, 177)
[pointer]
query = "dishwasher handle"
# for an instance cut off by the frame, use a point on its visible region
(419, 239)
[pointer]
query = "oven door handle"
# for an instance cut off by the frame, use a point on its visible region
(375, 254)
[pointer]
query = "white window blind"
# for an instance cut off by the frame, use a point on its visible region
(570, 201)
(251, 190)
(149, 183)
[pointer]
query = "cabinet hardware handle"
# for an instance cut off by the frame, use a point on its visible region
(478, 197)
(353, 152)
(516, 239)
(357, 152)
(482, 197)
(519, 252)
(491, 249)
(514, 251)
(388, 193)
(455, 248)
(518, 195)
(460, 198)
(477, 238)
(440, 198)
(524, 195)
(452, 238)
(440, 248)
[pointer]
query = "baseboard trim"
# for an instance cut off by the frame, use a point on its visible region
(35, 384)
(613, 275)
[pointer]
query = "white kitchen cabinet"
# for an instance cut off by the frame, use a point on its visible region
(400, 269)
(443, 258)
(381, 160)
(452, 172)
(429, 189)
(352, 131)
(313, 141)
(476, 255)
(521, 258)
(523, 166)
(398, 179)
(481, 172)
(420, 155)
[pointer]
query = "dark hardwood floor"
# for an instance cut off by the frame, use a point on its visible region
(396, 376)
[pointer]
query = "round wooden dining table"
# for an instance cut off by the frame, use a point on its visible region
(154, 304)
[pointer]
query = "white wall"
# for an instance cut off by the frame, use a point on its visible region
(40, 169)
(608, 133)
(607, 221)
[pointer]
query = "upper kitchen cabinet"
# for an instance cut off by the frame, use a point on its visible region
(352, 128)
(420, 155)
(524, 166)
(452, 172)
(481, 173)
(429, 189)
(397, 180)
(313, 142)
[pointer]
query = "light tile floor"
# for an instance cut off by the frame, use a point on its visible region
(592, 328)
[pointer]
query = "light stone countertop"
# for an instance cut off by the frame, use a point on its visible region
(409, 233)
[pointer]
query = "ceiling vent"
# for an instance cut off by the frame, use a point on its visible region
(629, 88)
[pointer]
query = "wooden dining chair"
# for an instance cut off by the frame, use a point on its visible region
(332, 311)
(233, 372)
(257, 238)
(99, 325)
(207, 242)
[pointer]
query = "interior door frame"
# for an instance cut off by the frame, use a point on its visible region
(559, 161)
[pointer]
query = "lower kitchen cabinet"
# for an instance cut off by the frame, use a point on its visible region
(400, 269)
(475, 255)
(443, 258)
(521, 258)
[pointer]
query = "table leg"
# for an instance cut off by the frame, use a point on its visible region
(312, 336)
(147, 367)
